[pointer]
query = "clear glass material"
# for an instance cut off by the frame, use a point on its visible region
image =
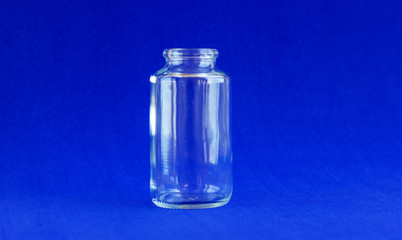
(191, 156)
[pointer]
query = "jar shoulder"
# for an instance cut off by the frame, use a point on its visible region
(166, 72)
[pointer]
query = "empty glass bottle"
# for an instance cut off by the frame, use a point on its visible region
(191, 156)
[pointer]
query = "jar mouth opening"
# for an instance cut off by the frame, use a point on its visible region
(186, 53)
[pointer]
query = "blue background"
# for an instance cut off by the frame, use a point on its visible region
(317, 118)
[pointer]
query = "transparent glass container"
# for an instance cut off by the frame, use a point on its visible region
(191, 156)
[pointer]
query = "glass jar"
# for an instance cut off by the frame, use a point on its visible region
(191, 156)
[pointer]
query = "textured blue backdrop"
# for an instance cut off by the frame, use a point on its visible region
(317, 118)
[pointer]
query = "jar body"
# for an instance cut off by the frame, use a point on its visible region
(191, 156)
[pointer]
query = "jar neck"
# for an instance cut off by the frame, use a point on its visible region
(190, 59)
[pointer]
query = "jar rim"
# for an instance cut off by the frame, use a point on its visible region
(182, 53)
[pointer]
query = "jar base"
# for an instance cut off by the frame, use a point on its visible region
(215, 201)
(189, 206)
